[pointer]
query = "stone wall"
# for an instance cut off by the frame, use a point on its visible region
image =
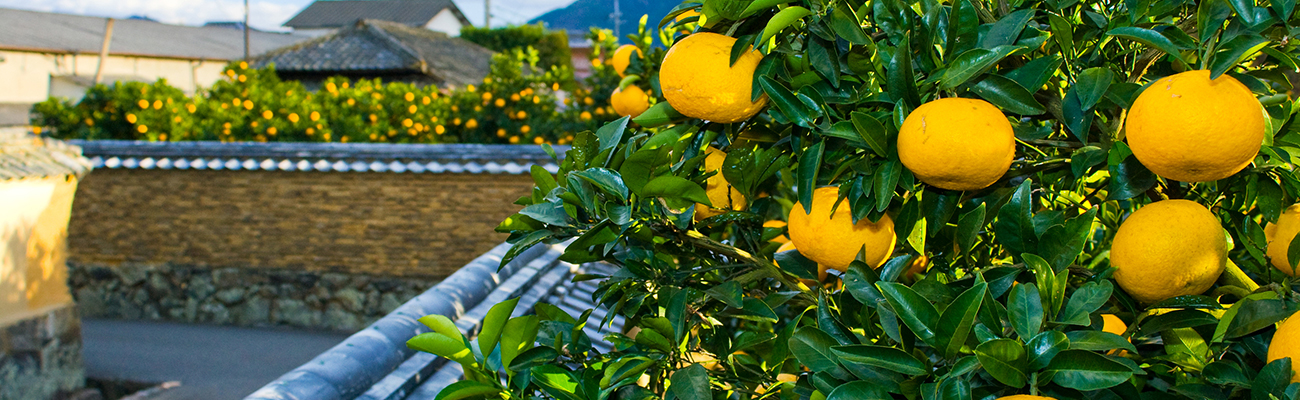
(40, 357)
(239, 296)
(408, 225)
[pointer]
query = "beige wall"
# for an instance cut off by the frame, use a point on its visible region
(26, 75)
(445, 22)
(34, 217)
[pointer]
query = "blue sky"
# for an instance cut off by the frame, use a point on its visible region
(265, 14)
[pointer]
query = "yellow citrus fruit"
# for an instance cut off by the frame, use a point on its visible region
(1286, 343)
(1279, 237)
(1186, 127)
(777, 224)
(1112, 324)
(1168, 248)
(916, 266)
(623, 57)
(821, 269)
(834, 240)
(721, 194)
(1025, 397)
(630, 101)
(699, 81)
(957, 144)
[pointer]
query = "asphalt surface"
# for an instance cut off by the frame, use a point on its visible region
(210, 362)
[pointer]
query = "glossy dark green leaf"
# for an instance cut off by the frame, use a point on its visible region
(611, 135)
(468, 390)
(1176, 319)
(1086, 370)
(1026, 309)
(1210, 16)
(963, 27)
(1129, 178)
(606, 180)
(858, 390)
(813, 349)
(728, 293)
(527, 241)
(886, 180)
(691, 383)
(824, 58)
(827, 322)
(860, 282)
(958, 320)
(1272, 381)
(1086, 300)
(1035, 73)
(1225, 373)
(677, 191)
(1083, 159)
(809, 165)
(917, 313)
(972, 63)
(1008, 95)
(901, 81)
(1098, 341)
(871, 132)
(881, 357)
(1255, 315)
(847, 26)
(540, 355)
(1091, 85)
(1006, 360)
(1006, 30)
(1293, 252)
(787, 102)
(1015, 224)
(1061, 244)
(1044, 347)
(1063, 33)
(1282, 9)
(968, 228)
(1233, 52)
(1150, 38)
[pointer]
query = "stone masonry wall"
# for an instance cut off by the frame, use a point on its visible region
(421, 226)
(40, 356)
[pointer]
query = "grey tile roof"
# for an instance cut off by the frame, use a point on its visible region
(62, 33)
(339, 13)
(23, 155)
(384, 46)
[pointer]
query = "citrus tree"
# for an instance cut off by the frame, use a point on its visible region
(971, 199)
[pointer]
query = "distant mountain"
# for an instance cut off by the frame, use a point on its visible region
(583, 14)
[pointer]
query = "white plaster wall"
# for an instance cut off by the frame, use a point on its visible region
(25, 76)
(445, 22)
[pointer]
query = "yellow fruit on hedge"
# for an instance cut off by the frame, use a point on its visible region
(699, 81)
(630, 101)
(834, 240)
(777, 224)
(721, 194)
(1112, 324)
(1168, 248)
(1279, 237)
(916, 266)
(1186, 127)
(821, 270)
(623, 57)
(1286, 343)
(957, 144)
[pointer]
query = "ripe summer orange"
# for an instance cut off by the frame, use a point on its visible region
(721, 194)
(630, 101)
(623, 58)
(834, 240)
(1168, 248)
(957, 144)
(1186, 127)
(1286, 343)
(1279, 237)
(699, 81)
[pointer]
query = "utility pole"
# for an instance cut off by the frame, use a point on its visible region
(245, 29)
(103, 50)
(487, 14)
(617, 16)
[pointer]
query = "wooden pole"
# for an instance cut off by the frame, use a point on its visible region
(245, 29)
(103, 50)
(487, 14)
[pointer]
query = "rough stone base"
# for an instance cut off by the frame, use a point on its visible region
(40, 357)
(236, 296)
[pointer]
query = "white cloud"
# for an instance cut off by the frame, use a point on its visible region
(263, 14)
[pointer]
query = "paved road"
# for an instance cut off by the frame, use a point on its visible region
(211, 362)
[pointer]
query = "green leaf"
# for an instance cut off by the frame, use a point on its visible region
(524, 243)
(443, 346)
(691, 383)
(1083, 159)
(824, 58)
(556, 381)
(549, 213)
(972, 63)
(1044, 347)
(728, 293)
(1098, 341)
(610, 135)
(789, 104)
(963, 27)
(1006, 30)
(917, 313)
(677, 191)
(1063, 243)
(1005, 360)
(1008, 95)
(783, 19)
(1015, 224)
(881, 357)
(519, 335)
(901, 81)
(441, 324)
(493, 323)
(1085, 370)
(1233, 52)
(1087, 299)
(1293, 252)
(644, 165)
(968, 228)
(607, 181)
(872, 132)
(847, 26)
(809, 164)
(1176, 319)
(1150, 38)
(1091, 85)
(857, 390)
(1210, 16)
(886, 180)
(1129, 178)
(1026, 309)
(1256, 315)
(1063, 33)
(812, 348)
(958, 319)
(1272, 381)
(467, 389)
(545, 182)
